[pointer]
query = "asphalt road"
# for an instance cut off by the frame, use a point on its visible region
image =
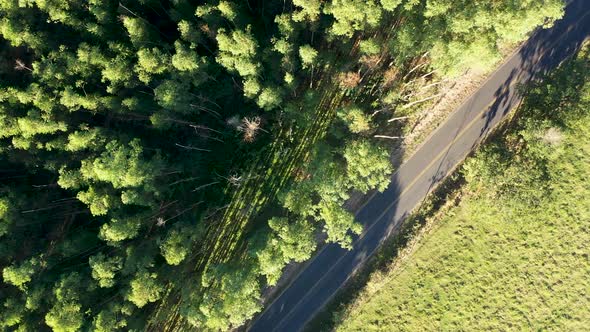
(330, 268)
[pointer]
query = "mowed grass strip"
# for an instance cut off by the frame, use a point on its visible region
(496, 262)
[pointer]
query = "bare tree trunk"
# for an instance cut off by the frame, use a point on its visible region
(398, 118)
(421, 89)
(192, 148)
(40, 209)
(421, 77)
(146, 21)
(192, 125)
(51, 185)
(210, 111)
(20, 65)
(311, 77)
(420, 65)
(205, 186)
(428, 74)
(184, 180)
(183, 211)
(169, 173)
(204, 128)
(377, 112)
(422, 100)
(433, 84)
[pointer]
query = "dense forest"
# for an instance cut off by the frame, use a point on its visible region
(161, 161)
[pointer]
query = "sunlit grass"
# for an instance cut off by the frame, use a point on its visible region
(494, 263)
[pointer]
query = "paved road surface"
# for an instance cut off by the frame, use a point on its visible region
(449, 145)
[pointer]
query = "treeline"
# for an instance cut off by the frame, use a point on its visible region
(123, 126)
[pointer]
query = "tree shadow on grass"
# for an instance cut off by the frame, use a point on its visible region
(545, 50)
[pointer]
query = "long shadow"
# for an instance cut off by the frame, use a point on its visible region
(321, 278)
(543, 52)
(225, 239)
(308, 293)
(228, 236)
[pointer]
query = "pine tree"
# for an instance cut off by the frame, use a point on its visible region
(104, 269)
(145, 288)
(353, 15)
(367, 166)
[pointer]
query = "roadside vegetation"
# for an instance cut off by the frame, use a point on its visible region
(513, 254)
(162, 161)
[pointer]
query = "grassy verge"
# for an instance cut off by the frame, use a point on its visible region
(514, 253)
(391, 253)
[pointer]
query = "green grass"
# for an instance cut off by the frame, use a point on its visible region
(510, 257)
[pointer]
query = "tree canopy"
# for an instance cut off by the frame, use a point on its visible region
(163, 161)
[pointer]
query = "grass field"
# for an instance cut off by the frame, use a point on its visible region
(514, 254)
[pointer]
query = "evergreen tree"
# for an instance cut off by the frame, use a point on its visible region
(367, 166)
(145, 288)
(118, 144)
(353, 15)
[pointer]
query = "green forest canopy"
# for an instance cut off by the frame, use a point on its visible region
(123, 126)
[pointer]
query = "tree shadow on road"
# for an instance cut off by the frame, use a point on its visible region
(381, 260)
(544, 51)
